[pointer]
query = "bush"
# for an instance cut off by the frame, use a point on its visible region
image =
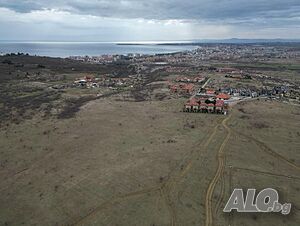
(41, 66)
(6, 61)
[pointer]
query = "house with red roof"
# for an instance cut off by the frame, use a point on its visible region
(203, 106)
(219, 106)
(183, 88)
(210, 92)
(223, 96)
(192, 105)
(211, 107)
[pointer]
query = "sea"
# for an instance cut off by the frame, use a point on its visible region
(66, 49)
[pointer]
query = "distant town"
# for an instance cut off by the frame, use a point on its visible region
(205, 94)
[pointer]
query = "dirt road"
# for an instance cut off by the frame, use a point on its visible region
(218, 174)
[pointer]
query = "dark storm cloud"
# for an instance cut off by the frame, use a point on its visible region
(19, 6)
(209, 10)
(106, 20)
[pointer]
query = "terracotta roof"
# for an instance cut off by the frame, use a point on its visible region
(219, 103)
(189, 86)
(223, 96)
(192, 103)
(210, 91)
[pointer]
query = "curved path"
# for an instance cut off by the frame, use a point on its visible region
(218, 174)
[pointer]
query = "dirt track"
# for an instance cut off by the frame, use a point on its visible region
(219, 173)
(160, 170)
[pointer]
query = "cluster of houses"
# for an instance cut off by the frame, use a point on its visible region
(244, 92)
(182, 88)
(105, 81)
(185, 85)
(256, 92)
(86, 82)
(205, 100)
(190, 80)
(234, 73)
(103, 59)
(230, 70)
(208, 101)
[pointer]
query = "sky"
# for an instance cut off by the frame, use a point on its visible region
(147, 20)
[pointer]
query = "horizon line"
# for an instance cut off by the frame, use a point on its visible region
(151, 41)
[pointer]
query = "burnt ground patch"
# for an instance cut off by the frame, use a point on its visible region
(18, 67)
(72, 106)
(19, 102)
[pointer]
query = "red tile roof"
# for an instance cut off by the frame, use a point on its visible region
(223, 96)
(210, 92)
(192, 103)
(219, 103)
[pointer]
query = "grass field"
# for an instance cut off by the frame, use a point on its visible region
(146, 163)
(131, 156)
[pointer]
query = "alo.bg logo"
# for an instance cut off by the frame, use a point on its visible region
(266, 201)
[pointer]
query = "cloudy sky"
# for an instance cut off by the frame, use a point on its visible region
(147, 20)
